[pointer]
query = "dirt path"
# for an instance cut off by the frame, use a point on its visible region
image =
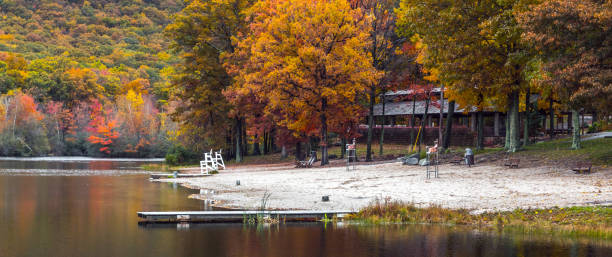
(480, 188)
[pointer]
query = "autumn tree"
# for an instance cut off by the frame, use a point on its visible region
(384, 49)
(22, 131)
(309, 60)
(102, 128)
(79, 85)
(574, 39)
(476, 47)
(12, 74)
(201, 33)
(59, 121)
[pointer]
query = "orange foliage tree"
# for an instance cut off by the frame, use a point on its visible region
(102, 129)
(60, 121)
(21, 128)
(309, 60)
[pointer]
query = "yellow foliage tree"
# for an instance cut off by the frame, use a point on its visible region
(308, 59)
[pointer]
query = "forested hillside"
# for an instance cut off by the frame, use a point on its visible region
(84, 77)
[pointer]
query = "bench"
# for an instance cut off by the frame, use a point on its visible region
(582, 167)
(562, 131)
(457, 160)
(512, 163)
(305, 164)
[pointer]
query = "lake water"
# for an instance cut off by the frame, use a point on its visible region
(81, 209)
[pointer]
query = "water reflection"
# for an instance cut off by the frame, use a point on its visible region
(73, 163)
(357, 240)
(96, 216)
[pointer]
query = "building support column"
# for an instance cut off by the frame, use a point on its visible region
(569, 121)
(496, 124)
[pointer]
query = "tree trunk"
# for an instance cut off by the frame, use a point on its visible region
(472, 122)
(440, 138)
(342, 147)
(324, 159)
(513, 121)
(370, 124)
(423, 123)
(576, 131)
(298, 151)
(14, 117)
(382, 129)
(283, 152)
(526, 121)
(449, 124)
(244, 137)
(256, 150)
(479, 131)
(507, 127)
(265, 143)
(238, 132)
(552, 118)
(582, 124)
(272, 146)
(412, 123)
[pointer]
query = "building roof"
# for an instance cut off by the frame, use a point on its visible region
(409, 91)
(405, 108)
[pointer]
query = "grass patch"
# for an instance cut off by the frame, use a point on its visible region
(597, 150)
(580, 221)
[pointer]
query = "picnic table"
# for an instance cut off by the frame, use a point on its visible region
(512, 162)
(582, 167)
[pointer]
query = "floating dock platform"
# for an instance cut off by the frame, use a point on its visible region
(238, 216)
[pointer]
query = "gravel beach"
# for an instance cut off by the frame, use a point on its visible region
(479, 188)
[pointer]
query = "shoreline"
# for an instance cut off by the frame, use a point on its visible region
(79, 159)
(482, 188)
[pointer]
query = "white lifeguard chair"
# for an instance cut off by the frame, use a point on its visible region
(432, 159)
(212, 161)
(219, 159)
(208, 163)
(351, 154)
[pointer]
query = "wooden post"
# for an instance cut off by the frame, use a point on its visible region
(440, 140)
(552, 118)
(526, 121)
(480, 131)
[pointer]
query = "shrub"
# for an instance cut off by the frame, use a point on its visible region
(597, 126)
(177, 154)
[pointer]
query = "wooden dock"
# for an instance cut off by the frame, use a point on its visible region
(238, 216)
(178, 175)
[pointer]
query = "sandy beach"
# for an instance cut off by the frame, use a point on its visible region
(479, 188)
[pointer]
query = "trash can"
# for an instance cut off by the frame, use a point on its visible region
(469, 157)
